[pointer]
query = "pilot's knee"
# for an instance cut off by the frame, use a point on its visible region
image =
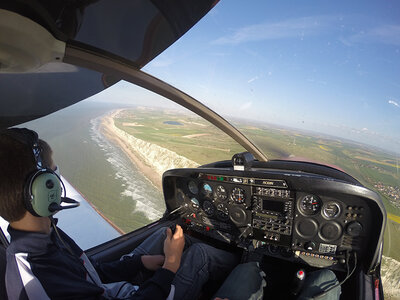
(323, 276)
(250, 270)
(327, 274)
(199, 248)
(248, 267)
(158, 236)
(197, 251)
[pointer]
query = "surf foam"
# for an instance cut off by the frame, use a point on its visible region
(147, 198)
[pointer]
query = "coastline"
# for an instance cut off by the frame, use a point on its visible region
(108, 129)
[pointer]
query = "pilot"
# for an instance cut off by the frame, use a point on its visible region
(43, 262)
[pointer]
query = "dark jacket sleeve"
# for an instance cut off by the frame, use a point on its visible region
(120, 270)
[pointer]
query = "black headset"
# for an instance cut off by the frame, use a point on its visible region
(43, 188)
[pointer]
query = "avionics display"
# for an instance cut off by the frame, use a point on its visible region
(277, 206)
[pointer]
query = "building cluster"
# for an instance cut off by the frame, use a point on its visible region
(391, 192)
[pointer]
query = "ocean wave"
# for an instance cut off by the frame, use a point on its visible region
(146, 197)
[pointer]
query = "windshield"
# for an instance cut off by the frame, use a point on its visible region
(311, 81)
(316, 82)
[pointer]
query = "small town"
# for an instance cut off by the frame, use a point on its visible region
(391, 192)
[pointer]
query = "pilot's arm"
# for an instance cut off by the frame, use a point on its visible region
(159, 285)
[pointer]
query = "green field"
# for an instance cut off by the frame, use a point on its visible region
(193, 138)
(200, 141)
(392, 240)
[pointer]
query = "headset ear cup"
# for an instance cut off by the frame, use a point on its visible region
(44, 189)
(28, 195)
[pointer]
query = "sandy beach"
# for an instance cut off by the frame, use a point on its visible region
(152, 160)
(108, 129)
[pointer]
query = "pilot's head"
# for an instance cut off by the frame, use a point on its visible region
(17, 163)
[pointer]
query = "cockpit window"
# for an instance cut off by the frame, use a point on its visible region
(307, 82)
(112, 150)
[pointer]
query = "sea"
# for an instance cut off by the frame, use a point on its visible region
(95, 168)
(147, 197)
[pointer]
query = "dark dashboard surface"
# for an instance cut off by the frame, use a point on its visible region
(301, 217)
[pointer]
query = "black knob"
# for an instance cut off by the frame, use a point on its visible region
(354, 229)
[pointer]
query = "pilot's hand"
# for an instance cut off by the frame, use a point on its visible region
(173, 248)
(152, 262)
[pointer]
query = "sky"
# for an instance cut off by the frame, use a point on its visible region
(327, 66)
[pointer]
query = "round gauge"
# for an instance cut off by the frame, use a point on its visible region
(195, 203)
(310, 205)
(222, 212)
(192, 186)
(180, 196)
(208, 208)
(238, 195)
(331, 210)
(206, 189)
(273, 249)
(220, 193)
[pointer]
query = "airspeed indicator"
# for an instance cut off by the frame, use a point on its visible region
(220, 193)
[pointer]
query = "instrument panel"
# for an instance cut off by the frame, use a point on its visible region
(281, 215)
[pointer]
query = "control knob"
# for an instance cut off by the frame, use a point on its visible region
(354, 229)
(310, 246)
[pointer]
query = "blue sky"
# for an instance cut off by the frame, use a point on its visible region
(327, 66)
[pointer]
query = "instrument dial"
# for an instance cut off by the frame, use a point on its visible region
(180, 196)
(238, 195)
(222, 212)
(220, 193)
(206, 190)
(331, 210)
(192, 186)
(310, 205)
(208, 208)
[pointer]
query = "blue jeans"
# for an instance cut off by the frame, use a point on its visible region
(200, 262)
(246, 282)
(318, 281)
